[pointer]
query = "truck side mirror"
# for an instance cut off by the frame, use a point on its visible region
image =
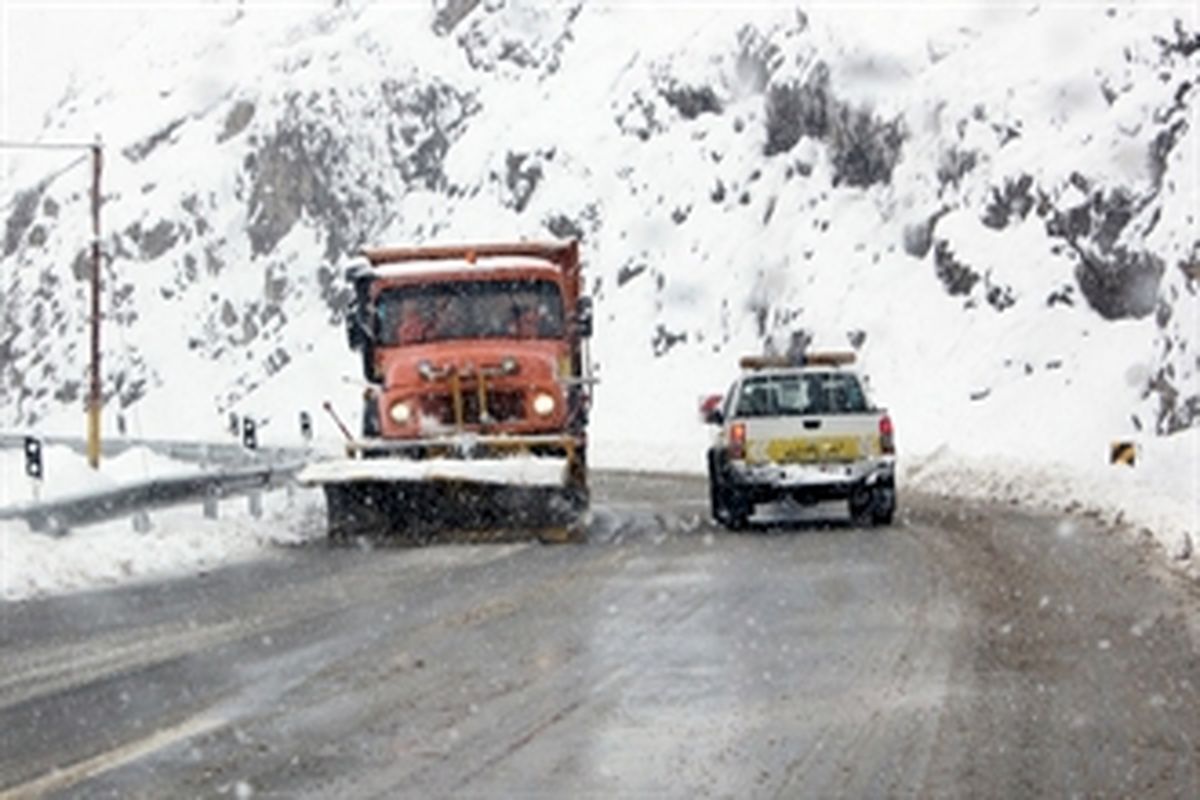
(710, 410)
(583, 317)
(359, 333)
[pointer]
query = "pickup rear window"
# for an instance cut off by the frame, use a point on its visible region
(800, 395)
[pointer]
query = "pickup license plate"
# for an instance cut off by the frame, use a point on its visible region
(807, 451)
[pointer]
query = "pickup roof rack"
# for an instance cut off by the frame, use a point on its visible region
(825, 358)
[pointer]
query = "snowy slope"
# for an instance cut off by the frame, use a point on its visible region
(995, 206)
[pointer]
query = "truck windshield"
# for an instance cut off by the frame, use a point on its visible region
(470, 310)
(816, 393)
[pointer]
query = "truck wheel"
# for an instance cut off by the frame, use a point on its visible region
(883, 505)
(862, 507)
(873, 506)
(728, 505)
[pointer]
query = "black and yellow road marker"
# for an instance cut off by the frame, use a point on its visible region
(1122, 453)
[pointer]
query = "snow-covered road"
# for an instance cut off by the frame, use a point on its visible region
(971, 650)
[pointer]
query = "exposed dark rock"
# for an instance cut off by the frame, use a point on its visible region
(25, 206)
(758, 57)
(139, 150)
(690, 101)
(1119, 283)
(425, 121)
(628, 272)
(1162, 313)
(1164, 142)
(864, 149)
(639, 118)
(1176, 411)
(68, 392)
(918, 237)
(857, 338)
(448, 13)
(958, 278)
(999, 297)
(1185, 42)
(158, 240)
(1063, 296)
(236, 120)
(81, 265)
(563, 227)
(953, 166)
(1014, 199)
(769, 211)
(291, 174)
(798, 110)
(278, 359)
(49, 207)
(275, 284)
(664, 340)
(491, 41)
(213, 264)
(521, 178)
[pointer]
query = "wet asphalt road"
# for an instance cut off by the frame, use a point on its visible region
(972, 651)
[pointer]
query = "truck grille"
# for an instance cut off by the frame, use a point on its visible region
(503, 406)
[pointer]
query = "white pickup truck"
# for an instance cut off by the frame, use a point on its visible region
(803, 430)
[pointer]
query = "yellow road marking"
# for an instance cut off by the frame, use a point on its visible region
(60, 779)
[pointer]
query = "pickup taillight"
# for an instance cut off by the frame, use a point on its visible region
(887, 435)
(737, 440)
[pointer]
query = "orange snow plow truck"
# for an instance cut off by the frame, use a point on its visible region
(479, 386)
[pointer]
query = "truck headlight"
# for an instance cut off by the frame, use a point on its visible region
(400, 413)
(543, 404)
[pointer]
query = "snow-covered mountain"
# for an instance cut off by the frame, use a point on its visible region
(998, 215)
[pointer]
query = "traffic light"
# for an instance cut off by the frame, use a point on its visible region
(249, 434)
(33, 457)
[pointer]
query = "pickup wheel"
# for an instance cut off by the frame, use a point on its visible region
(872, 506)
(729, 505)
(883, 505)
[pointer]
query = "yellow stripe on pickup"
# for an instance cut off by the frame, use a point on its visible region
(813, 449)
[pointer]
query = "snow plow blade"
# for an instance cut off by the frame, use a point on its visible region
(423, 501)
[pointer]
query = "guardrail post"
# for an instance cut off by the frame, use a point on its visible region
(255, 503)
(212, 499)
(141, 521)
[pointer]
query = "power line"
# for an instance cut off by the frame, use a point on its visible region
(47, 145)
(48, 179)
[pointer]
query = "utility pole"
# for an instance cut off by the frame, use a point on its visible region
(95, 396)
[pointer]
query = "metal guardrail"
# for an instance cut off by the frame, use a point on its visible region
(56, 516)
(190, 451)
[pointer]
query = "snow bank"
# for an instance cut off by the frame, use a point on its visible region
(66, 473)
(1156, 498)
(180, 542)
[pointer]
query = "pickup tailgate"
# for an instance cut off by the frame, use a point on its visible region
(835, 438)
